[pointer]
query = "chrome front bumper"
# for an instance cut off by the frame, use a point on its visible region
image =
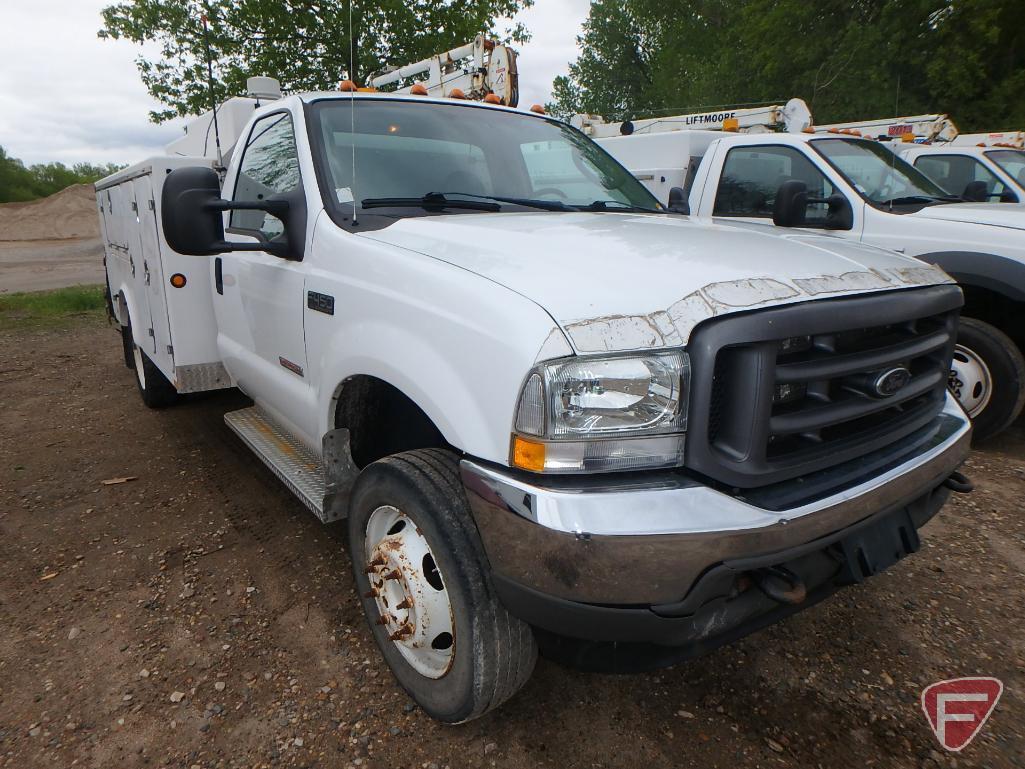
(644, 540)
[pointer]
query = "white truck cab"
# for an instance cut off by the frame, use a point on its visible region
(551, 412)
(979, 174)
(858, 190)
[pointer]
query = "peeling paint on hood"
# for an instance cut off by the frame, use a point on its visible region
(617, 282)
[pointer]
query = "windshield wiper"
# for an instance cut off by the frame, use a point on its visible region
(432, 201)
(912, 199)
(617, 205)
(544, 205)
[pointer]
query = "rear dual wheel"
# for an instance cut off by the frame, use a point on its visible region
(423, 581)
(155, 389)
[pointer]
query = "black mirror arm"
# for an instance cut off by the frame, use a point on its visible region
(276, 208)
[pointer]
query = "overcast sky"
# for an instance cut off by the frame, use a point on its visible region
(67, 95)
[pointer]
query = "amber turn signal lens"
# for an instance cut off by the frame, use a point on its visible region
(418, 90)
(528, 455)
(492, 98)
(178, 280)
(347, 86)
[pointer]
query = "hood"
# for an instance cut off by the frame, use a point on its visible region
(628, 281)
(994, 214)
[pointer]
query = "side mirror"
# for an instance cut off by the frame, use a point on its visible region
(841, 214)
(190, 212)
(976, 192)
(678, 202)
(791, 204)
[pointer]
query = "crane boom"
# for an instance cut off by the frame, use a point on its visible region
(915, 128)
(474, 71)
(792, 117)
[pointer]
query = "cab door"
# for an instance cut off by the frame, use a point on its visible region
(259, 297)
(750, 176)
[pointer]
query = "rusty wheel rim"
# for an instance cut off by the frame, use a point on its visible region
(412, 600)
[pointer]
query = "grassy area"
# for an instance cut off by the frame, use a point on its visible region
(51, 307)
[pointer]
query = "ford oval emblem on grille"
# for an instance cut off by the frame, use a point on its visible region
(891, 382)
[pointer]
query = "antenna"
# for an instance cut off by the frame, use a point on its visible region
(352, 118)
(213, 99)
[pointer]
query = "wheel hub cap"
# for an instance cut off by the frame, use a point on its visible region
(412, 601)
(970, 381)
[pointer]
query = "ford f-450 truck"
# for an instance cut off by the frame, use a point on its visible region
(859, 190)
(549, 410)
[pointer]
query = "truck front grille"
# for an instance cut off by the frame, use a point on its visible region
(791, 390)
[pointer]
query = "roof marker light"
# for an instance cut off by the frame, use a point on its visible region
(347, 86)
(418, 90)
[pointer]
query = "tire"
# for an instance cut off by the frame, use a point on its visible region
(987, 376)
(156, 391)
(406, 509)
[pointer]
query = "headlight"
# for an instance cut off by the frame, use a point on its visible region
(602, 414)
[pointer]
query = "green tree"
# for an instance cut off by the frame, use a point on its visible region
(20, 183)
(303, 43)
(848, 59)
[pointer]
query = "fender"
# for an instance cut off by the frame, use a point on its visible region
(391, 353)
(1000, 274)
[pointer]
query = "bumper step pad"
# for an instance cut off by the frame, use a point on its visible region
(288, 458)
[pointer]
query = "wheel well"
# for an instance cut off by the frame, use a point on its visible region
(995, 309)
(382, 420)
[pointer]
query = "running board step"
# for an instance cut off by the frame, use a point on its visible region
(288, 458)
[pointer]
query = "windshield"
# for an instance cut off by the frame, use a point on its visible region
(878, 175)
(413, 158)
(1012, 161)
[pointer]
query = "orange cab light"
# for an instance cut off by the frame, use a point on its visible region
(855, 132)
(347, 86)
(834, 130)
(908, 138)
(528, 455)
(178, 280)
(809, 130)
(456, 93)
(492, 99)
(418, 90)
(538, 109)
(731, 124)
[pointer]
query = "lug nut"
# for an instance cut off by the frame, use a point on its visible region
(406, 604)
(382, 620)
(393, 574)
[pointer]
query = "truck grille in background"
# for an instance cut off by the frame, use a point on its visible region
(792, 390)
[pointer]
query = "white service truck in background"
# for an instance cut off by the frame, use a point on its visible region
(979, 174)
(856, 189)
(550, 411)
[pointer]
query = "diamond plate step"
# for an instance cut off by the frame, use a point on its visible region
(289, 459)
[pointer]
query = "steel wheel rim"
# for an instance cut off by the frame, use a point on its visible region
(140, 370)
(970, 381)
(412, 601)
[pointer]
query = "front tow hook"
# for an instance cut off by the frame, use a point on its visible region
(958, 482)
(781, 585)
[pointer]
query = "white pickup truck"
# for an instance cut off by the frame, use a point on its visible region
(857, 189)
(980, 174)
(551, 411)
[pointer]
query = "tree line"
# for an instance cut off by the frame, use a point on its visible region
(848, 59)
(19, 182)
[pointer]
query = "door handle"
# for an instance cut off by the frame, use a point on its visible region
(219, 276)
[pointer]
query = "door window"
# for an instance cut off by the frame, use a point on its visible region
(955, 172)
(270, 167)
(751, 176)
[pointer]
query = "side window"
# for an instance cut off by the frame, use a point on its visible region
(270, 166)
(751, 177)
(955, 172)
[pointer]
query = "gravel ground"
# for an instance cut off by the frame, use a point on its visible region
(38, 265)
(198, 616)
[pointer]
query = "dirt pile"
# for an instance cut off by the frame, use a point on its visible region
(70, 213)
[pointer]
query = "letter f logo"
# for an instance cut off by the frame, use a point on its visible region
(958, 708)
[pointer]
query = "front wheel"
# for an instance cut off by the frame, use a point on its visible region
(424, 585)
(987, 376)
